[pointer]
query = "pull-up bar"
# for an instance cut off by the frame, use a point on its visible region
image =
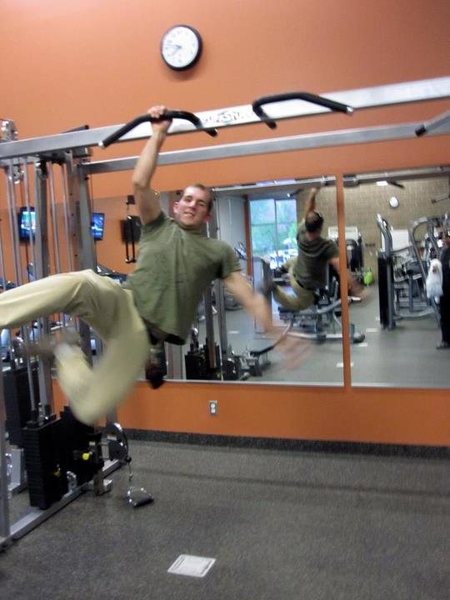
(435, 123)
(170, 114)
(359, 99)
(306, 96)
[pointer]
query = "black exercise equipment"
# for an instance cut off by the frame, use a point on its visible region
(47, 482)
(228, 365)
(402, 274)
(60, 452)
(321, 321)
(16, 382)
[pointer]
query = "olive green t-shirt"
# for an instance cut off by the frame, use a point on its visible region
(173, 269)
(310, 269)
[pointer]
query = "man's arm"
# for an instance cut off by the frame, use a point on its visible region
(355, 288)
(256, 305)
(253, 303)
(147, 200)
(310, 204)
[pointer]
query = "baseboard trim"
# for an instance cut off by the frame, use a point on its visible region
(416, 451)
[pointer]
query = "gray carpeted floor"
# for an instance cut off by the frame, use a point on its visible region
(285, 525)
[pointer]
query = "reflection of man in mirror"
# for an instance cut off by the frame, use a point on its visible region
(308, 273)
(444, 303)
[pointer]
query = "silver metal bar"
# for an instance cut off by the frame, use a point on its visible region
(4, 500)
(80, 207)
(400, 174)
(41, 268)
(359, 99)
(66, 212)
(36, 516)
(13, 225)
(287, 186)
(54, 217)
(219, 292)
(174, 356)
(434, 123)
(267, 146)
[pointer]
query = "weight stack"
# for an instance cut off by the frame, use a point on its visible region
(47, 482)
(18, 401)
(80, 447)
(195, 363)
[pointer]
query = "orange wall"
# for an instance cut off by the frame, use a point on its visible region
(98, 63)
(372, 415)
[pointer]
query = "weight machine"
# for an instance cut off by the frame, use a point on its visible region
(401, 276)
(62, 163)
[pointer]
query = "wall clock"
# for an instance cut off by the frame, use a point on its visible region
(181, 47)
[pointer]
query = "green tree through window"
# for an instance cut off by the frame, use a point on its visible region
(273, 225)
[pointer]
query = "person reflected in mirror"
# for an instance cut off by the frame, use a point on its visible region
(157, 303)
(444, 301)
(309, 272)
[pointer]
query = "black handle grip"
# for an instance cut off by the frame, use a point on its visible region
(307, 96)
(170, 114)
(433, 124)
(283, 334)
(421, 130)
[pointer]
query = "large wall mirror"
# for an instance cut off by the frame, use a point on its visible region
(396, 217)
(395, 223)
(401, 219)
(260, 220)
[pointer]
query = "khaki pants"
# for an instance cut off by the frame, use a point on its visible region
(107, 308)
(303, 298)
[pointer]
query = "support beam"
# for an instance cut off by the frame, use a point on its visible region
(327, 139)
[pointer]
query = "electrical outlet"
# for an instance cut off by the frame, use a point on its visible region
(213, 406)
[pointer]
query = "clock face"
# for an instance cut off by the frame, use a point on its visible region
(181, 47)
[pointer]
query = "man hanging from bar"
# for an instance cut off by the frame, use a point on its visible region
(308, 273)
(156, 304)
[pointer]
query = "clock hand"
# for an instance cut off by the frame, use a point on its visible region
(174, 47)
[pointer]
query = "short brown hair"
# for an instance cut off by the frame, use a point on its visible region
(204, 188)
(313, 221)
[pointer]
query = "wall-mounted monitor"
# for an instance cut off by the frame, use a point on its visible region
(97, 225)
(27, 223)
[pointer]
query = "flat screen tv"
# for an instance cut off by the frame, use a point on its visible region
(27, 223)
(97, 225)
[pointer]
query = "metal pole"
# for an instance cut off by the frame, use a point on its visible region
(4, 494)
(42, 269)
(79, 209)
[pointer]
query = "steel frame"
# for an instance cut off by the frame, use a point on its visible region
(359, 99)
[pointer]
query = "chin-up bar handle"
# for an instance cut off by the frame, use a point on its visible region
(433, 124)
(170, 114)
(331, 104)
(280, 338)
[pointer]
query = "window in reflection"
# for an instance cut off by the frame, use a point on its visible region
(274, 229)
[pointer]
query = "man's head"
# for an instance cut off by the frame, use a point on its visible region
(194, 206)
(313, 222)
